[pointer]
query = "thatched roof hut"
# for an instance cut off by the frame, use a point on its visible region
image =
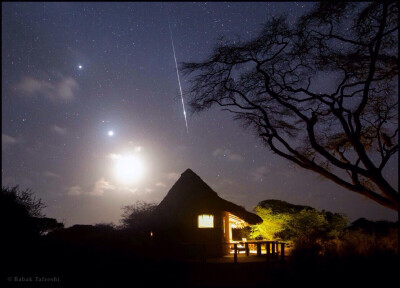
(191, 201)
(190, 193)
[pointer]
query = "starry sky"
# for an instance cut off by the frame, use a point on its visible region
(73, 72)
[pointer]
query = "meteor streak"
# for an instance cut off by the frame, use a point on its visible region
(177, 73)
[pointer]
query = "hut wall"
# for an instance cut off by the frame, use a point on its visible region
(186, 232)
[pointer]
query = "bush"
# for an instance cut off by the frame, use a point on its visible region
(137, 216)
(18, 210)
(287, 222)
(362, 243)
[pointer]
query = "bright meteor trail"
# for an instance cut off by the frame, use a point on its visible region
(179, 80)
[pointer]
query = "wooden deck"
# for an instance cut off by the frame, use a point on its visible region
(242, 258)
(271, 249)
(245, 252)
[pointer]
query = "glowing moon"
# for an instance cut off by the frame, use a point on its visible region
(110, 133)
(128, 169)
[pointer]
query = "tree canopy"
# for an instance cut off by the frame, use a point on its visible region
(289, 222)
(321, 93)
(22, 214)
(137, 215)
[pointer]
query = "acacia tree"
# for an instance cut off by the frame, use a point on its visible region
(25, 199)
(321, 93)
(138, 215)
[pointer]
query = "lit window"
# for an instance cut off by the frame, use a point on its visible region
(206, 221)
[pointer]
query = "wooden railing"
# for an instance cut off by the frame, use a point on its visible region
(199, 251)
(272, 248)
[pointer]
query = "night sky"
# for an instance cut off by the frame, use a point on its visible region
(74, 72)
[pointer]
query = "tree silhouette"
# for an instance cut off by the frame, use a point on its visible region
(15, 219)
(321, 93)
(22, 214)
(137, 216)
(27, 199)
(46, 225)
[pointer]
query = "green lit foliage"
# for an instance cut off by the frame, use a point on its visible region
(337, 223)
(291, 223)
(272, 224)
(312, 233)
(310, 224)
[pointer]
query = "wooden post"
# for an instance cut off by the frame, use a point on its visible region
(282, 250)
(226, 229)
(267, 247)
(246, 245)
(235, 254)
(258, 249)
(273, 248)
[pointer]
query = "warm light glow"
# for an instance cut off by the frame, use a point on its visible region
(236, 222)
(128, 168)
(206, 221)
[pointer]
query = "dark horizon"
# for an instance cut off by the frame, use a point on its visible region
(91, 88)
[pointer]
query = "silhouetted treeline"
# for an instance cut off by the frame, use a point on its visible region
(105, 255)
(137, 216)
(22, 219)
(379, 228)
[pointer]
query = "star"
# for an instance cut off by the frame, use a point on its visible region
(80, 67)
(110, 133)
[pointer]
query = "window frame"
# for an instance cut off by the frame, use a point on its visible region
(199, 220)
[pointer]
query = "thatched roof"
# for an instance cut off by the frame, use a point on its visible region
(190, 194)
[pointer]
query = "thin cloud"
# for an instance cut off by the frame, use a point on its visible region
(160, 184)
(260, 173)
(51, 174)
(65, 88)
(59, 130)
(62, 89)
(228, 154)
(74, 191)
(173, 176)
(7, 139)
(138, 149)
(30, 86)
(224, 183)
(114, 156)
(100, 187)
